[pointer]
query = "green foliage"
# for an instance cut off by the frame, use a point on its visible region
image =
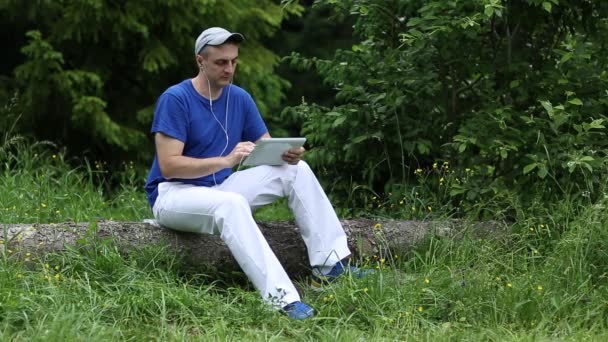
(89, 72)
(38, 185)
(80, 90)
(512, 90)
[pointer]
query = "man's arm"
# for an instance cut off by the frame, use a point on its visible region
(173, 164)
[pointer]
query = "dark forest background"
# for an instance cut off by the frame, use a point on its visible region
(479, 104)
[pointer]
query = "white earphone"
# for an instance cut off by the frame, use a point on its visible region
(225, 125)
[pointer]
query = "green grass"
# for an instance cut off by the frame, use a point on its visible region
(444, 290)
(39, 186)
(545, 280)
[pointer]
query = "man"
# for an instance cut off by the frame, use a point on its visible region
(205, 126)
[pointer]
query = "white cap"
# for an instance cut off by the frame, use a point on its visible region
(215, 36)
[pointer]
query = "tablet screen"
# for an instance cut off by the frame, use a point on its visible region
(269, 151)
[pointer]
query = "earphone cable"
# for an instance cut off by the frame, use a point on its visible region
(223, 127)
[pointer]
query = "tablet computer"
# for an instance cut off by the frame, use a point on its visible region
(269, 151)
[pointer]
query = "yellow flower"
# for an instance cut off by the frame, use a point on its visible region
(43, 205)
(28, 254)
(509, 285)
(365, 290)
(54, 156)
(420, 308)
(430, 208)
(401, 202)
(539, 288)
(427, 280)
(382, 260)
(57, 276)
(434, 165)
(418, 171)
(378, 226)
(531, 229)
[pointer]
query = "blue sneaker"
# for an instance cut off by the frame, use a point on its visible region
(298, 310)
(340, 268)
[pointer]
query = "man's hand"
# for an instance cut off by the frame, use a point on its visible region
(240, 152)
(294, 155)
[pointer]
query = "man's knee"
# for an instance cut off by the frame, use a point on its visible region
(303, 166)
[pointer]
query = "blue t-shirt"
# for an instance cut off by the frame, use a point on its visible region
(182, 113)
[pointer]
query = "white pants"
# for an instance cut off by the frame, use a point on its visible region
(226, 209)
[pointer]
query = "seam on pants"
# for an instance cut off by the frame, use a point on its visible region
(293, 189)
(302, 202)
(270, 293)
(307, 212)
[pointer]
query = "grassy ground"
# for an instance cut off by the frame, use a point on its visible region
(544, 281)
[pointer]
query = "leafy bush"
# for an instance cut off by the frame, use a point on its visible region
(512, 90)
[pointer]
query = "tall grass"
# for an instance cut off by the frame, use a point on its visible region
(38, 185)
(544, 280)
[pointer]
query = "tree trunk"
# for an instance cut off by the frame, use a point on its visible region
(365, 237)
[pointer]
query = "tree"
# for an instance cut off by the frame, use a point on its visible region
(89, 72)
(366, 238)
(512, 89)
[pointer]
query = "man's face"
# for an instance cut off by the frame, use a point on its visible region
(219, 63)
